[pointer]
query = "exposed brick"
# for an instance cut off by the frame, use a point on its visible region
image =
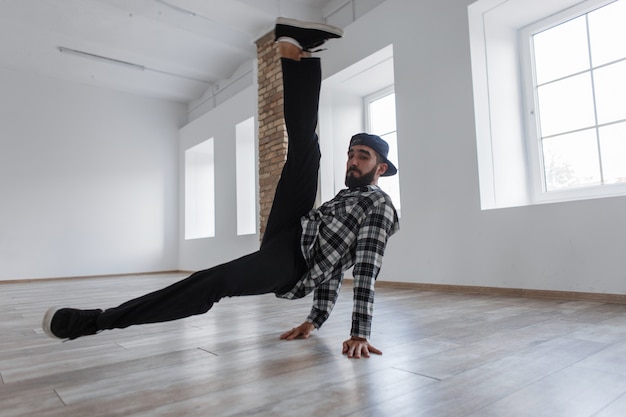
(272, 132)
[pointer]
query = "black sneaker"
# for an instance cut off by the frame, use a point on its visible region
(70, 323)
(308, 34)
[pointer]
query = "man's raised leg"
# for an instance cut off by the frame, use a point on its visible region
(302, 77)
(297, 187)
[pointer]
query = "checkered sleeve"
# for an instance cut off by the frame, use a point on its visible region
(372, 238)
(324, 299)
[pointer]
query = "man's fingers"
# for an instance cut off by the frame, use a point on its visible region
(295, 333)
(351, 351)
(365, 351)
(374, 350)
(356, 349)
(288, 334)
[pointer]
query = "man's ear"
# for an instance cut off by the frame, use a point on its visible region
(382, 168)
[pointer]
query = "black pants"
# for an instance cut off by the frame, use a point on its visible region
(278, 264)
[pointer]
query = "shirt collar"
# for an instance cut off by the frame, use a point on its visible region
(365, 188)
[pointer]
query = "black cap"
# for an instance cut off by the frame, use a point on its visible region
(379, 145)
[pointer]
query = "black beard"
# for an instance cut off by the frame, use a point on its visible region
(362, 181)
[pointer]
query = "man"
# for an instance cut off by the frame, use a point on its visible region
(303, 249)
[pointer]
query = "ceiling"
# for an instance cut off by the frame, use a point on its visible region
(167, 49)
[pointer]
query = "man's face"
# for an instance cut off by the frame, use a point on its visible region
(362, 167)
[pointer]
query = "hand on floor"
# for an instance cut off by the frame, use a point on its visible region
(303, 331)
(357, 347)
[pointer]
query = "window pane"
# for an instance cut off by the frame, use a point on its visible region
(566, 105)
(613, 146)
(245, 168)
(610, 83)
(383, 115)
(382, 122)
(571, 160)
(561, 50)
(607, 32)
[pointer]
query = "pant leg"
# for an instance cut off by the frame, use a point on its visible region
(273, 269)
(297, 187)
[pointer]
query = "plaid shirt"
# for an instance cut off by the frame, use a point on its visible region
(350, 230)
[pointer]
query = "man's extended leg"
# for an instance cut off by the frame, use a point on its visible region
(272, 269)
(268, 270)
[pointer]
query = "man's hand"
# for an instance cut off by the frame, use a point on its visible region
(357, 346)
(303, 331)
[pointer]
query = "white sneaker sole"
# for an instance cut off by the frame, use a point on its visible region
(47, 321)
(309, 25)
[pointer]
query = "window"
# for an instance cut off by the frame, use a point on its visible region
(380, 114)
(245, 162)
(549, 102)
(576, 95)
(199, 191)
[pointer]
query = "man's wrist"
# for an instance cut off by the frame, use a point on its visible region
(360, 339)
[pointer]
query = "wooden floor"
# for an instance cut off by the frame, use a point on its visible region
(444, 355)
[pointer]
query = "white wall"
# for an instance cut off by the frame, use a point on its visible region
(87, 180)
(219, 123)
(445, 237)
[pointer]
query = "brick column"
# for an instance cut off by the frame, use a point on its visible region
(272, 132)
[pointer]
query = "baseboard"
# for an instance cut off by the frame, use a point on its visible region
(134, 274)
(509, 292)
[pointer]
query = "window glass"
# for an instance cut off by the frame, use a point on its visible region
(381, 120)
(566, 105)
(610, 89)
(613, 150)
(570, 40)
(246, 177)
(199, 191)
(607, 32)
(383, 114)
(571, 160)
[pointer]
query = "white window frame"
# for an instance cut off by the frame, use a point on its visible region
(539, 193)
(499, 107)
